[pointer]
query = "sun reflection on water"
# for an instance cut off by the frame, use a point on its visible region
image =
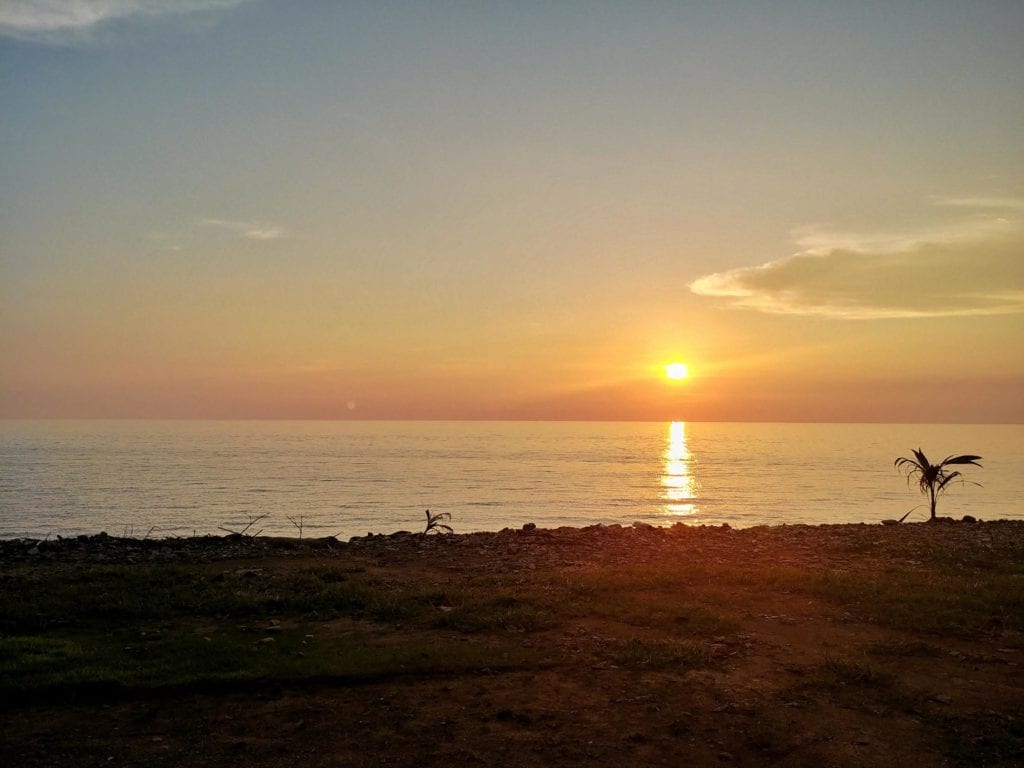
(679, 488)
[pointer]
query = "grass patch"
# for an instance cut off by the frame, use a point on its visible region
(675, 576)
(853, 682)
(143, 593)
(837, 672)
(656, 597)
(147, 627)
(47, 664)
(109, 594)
(902, 648)
(678, 655)
(325, 592)
(668, 612)
(486, 614)
(945, 604)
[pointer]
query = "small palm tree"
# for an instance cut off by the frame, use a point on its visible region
(933, 478)
(438, 522)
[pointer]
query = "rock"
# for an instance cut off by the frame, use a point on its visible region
(529, 527)
(969, 519)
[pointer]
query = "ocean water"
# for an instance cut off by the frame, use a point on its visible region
(348, 478)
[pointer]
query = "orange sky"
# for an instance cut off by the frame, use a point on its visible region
(241, 210)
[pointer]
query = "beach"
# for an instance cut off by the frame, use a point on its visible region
(844, 645)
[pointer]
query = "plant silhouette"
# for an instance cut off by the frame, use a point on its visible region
(438, 522)
(933, 479)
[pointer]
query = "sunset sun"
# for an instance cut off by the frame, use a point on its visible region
(677, 371)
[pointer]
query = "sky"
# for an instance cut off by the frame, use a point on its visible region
(512, 210)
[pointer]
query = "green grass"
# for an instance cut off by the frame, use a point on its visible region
(489, 613)
(146, 627)
(125, 593)
(853, 681)
(653, 596)
(837, 671)
(675, 655)
(949, 603)
(672, 576)
(176, 657)
(143, 627)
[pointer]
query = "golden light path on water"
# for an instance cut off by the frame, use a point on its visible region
(679, 487)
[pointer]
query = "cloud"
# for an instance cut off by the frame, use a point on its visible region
(251, 230)
(983, 203)
(61, 21)
(969, 267)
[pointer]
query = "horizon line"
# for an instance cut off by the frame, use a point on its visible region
(508, 420)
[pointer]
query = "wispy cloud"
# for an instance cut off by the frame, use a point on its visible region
(981, 203)
(966, 267)
(251, 230)
(62, 21)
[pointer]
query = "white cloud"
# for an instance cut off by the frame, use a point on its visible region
(968, 267)
(68, 20)
(251, 230)
(983, 203)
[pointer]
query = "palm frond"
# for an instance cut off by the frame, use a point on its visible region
(907, 513)
(947, 480)
(965, 459)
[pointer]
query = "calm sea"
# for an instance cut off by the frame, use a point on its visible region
(349, 478)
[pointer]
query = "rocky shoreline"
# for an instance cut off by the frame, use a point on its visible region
(532, 545)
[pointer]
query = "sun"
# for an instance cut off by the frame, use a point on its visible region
(677, 371)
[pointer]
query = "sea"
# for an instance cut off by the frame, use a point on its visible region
(348, 478)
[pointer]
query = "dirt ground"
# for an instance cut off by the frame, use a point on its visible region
(805, 675)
